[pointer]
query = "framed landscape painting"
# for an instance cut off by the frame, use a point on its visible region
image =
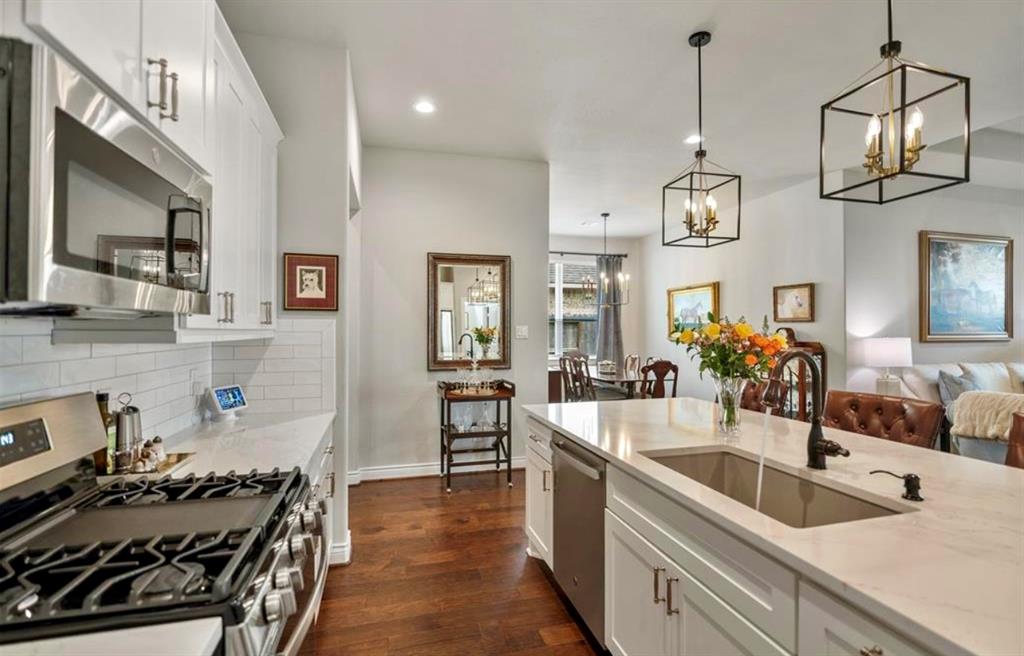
(793, 302)
(688, 306)
(966, 287)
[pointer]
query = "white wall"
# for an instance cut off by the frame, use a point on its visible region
(881, 250)
(633, 315)
(308, 89)
(788, 237)
(418, 202)
(156, 375)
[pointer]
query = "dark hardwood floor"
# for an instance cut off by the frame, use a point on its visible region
(440, 574)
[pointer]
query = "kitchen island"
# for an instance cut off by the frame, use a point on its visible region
(945, 575)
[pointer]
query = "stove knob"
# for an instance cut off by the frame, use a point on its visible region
(296, 546)
(289, 577)
(273, 607)
(310, 520)
(289, 604)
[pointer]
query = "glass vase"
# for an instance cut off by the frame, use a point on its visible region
(729, 391)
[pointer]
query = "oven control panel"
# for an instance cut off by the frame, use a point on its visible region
(24, 440)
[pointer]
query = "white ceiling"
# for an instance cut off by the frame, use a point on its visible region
(605, 91)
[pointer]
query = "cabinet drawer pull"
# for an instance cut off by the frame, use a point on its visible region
(329, 449)
(544, 481)
(174, 99)
(657, 585)
(330, 495)
(162, 103)
(534, 438)
(223, 318)
(669, 580)
(231, 307)
(873, 651)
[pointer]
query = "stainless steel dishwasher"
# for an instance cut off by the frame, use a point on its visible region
(579, 530)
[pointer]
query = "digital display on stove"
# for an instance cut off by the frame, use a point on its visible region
(23, 440)
(229, 398)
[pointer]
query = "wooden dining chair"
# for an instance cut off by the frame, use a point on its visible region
(655, 387)
(576, 376)
(1015, 449)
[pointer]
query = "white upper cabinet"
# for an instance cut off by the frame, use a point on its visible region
(177, 42)
(155, 55)
(104, 36)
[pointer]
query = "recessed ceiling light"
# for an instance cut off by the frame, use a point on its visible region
(693, 139)
(424, 107)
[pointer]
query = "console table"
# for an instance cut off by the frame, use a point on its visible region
(449, 393)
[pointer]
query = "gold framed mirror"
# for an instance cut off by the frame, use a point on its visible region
(467, 295)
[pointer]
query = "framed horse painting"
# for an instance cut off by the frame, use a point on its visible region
(689, 306)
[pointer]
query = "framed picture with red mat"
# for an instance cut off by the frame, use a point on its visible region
(310, 282)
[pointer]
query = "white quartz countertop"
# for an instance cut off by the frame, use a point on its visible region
(949, 575)
(254, 441)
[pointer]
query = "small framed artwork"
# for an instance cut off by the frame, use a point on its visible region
(793, 302)
(310, 282)
(966, 287)
(689, 306)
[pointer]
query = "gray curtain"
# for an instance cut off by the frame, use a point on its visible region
(609, 317)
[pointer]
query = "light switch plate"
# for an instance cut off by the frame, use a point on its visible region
(522, 332)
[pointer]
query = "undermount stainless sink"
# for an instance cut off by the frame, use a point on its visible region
(785, 497)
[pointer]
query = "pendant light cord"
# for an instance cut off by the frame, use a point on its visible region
(700, 98)
(890, 21)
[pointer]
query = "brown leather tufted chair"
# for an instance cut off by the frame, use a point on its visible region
(1015, 449)
(910, 421)
(751, 398)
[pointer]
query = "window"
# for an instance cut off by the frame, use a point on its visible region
(572, 322)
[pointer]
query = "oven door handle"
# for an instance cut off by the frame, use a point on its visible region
(310, 611)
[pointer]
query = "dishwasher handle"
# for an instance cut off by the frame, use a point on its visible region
(590, 472)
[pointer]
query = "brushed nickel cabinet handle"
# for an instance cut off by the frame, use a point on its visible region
(544, 481)
(174, 99)
(162, 104)
(231, 307)
(657, 585)
(330, 494)
(873, 651)
(223, 318)
(329, 449)
(669, 580)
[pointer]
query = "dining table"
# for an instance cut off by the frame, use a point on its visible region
(628, 379)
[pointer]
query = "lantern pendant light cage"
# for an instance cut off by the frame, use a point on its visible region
(901, 129)
(604, 291)
(700, 207)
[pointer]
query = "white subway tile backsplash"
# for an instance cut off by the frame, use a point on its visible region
(102, 350)
(292, 371)
(10, 351)
(37, 348)
(18, 379)
(133, 364)
(84, 371)
(220, 380)
(25, 326)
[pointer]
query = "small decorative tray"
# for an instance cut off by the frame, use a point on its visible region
(474, 392)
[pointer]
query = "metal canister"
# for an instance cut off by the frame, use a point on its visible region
(129, 433)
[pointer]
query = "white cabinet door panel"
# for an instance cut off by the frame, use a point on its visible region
(103, 35)
(539, 505)
(828, 627)
(181, 33)
(635, 624)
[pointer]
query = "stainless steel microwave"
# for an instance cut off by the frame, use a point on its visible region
(99, 216)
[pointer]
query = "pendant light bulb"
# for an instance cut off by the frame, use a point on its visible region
(712, 203)
(874, 129)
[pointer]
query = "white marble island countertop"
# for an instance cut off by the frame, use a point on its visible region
(950, 574)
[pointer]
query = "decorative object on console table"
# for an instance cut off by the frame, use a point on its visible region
(733, 353)
(499, 391)
(793, 303)
(686, 306)
(966, 287)
(888, 352)
(310, 282)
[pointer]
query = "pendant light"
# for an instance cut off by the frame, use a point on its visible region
(605, 291)
(693, 204)
(887, 108)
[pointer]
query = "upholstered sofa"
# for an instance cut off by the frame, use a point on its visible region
(922, 382)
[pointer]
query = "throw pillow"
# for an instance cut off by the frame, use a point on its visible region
(951, 386)
(988, 376)
(1017, 376)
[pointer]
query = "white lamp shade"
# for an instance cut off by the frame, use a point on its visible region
(888, 352)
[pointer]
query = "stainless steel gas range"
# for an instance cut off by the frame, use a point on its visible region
(78, 557)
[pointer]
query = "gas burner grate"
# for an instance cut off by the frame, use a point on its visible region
(117, 577)
(211, 486)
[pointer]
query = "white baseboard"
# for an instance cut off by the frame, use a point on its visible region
(414, 470)
(341, 552)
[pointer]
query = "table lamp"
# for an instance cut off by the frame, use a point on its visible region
(887, 352)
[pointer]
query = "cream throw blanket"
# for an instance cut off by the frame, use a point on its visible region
(986, 415)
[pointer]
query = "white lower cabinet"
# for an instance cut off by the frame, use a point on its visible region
(539, 505)
(654, 607)
(829, 627)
